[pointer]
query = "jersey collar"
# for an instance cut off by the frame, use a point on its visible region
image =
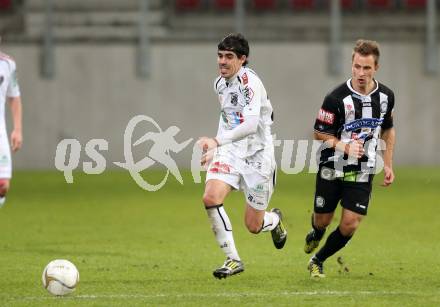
(236, 77)
(359, 94)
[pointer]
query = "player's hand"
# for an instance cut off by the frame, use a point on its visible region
(16, 140)
(388, 176)
(355, 149)
(208, 145)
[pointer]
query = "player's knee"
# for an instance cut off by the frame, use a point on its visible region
(210, 199)
(4, 187)
(321, 222)
(348, 228)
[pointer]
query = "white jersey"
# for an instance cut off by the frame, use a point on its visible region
(8, 88)
(241, 96)
(8, 85)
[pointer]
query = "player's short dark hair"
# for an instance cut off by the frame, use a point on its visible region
(366, 47)
(236, 43)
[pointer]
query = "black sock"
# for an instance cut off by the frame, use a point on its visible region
(334, 243)
(317, 233)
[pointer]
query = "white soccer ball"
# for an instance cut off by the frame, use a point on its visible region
(60, 277)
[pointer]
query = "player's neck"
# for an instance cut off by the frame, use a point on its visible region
(365, 90)
(231, 78)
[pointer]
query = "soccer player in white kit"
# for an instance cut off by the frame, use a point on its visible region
(241, 156)
(9, 92)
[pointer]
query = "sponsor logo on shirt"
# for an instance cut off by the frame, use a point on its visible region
(363, 123)
(326, 117)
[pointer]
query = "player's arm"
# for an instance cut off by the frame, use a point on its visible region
(13, 94)
(247, 127)
(389, 137)
(354, 148)
(17, 132)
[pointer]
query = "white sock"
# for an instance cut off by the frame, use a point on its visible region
(221, 225)
(270, 221)
(2, 201)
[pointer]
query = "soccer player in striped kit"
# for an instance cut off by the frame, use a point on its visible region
(352, 121)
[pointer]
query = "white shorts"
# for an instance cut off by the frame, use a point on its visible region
(255, 175)
(5, 156)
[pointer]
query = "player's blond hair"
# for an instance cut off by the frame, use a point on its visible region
(366, 47)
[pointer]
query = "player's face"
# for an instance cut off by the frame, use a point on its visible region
(363, 70)
(228, 63)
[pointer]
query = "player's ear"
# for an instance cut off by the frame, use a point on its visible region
(242, 59)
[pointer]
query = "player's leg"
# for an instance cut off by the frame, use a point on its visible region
(355, 199)
(257, 218)
(215, 192)
(327, 196)
(5, 166)
(319, 222)
(4, 187)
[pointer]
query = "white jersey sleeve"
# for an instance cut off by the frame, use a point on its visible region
(13, 89)
(247, 127)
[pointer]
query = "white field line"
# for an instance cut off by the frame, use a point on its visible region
(226, 295)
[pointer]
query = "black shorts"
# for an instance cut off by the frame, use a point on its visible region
(354, 196)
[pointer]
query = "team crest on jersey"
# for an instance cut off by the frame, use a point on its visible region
(248, 94)
(234, 99)
(383, 106)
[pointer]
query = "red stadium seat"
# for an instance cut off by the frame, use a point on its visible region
(415, 4)
(263, 5)
(345, 4)
(380, 4)
(188, 5)
(224, 4)
(5, 5)
(348, 4)
(302, 4)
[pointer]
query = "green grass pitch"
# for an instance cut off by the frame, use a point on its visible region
(134, 247)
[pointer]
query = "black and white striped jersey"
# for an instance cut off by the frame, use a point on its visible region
(349, 115)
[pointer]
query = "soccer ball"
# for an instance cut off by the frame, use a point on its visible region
(60, 277)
